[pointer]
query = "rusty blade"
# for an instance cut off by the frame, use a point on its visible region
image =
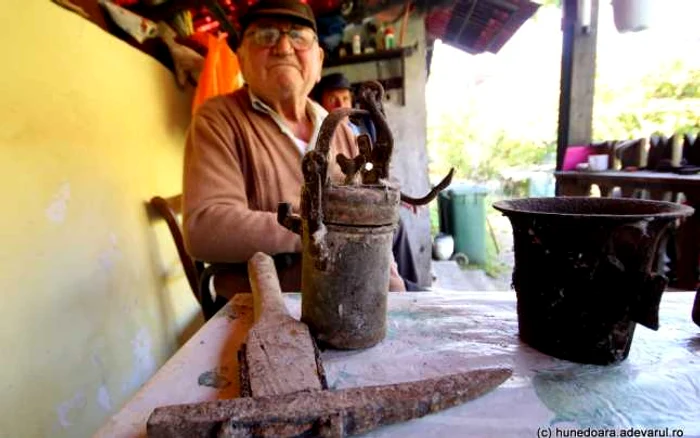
(325, 413)
(432, 194)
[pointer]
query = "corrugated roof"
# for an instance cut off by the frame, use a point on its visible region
(478, 26)
(475, 26)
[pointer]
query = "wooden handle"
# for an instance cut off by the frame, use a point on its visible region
(267, 294)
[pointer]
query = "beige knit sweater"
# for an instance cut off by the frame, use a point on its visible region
(238, 166)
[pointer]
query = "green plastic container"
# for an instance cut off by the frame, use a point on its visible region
(444, 212)
(467, 221)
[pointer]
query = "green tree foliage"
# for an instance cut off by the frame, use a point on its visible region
(674, 82)
(479, 154)
(666, 101)
(481, 143)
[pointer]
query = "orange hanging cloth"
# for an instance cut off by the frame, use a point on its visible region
(221, 73)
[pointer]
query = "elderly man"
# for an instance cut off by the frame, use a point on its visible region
(244, 150)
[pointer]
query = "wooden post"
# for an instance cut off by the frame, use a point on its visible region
(577, 78)
(404, 23)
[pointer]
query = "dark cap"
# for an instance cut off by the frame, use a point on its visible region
(333, 81)
(293, 10)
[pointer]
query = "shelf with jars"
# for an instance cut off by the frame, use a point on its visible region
(381, 55)
(388, 55)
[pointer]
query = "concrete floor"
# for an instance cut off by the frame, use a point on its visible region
(449, 275)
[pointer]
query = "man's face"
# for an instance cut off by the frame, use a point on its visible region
(280, 59)
(334, 99)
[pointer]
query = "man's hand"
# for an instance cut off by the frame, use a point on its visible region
(396, 283)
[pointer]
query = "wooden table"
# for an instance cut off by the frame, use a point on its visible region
(659, 186)
(578, 183)
(436, 333)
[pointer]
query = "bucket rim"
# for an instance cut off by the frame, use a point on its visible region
(674, 210)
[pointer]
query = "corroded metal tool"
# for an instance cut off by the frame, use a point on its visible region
(284, 390)
(347, 231)
(322, 413)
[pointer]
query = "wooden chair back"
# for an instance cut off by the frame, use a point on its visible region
(170, 209)
(199, 275)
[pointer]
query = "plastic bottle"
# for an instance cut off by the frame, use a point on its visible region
(379, 37)
(356, 45)
(389, 41)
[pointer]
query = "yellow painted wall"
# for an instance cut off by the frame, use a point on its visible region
(93, 297)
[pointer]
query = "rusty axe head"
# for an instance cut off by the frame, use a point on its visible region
(323, 413)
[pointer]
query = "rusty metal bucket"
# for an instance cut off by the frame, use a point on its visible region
(583, 272)
(347, 232)
(345, 279)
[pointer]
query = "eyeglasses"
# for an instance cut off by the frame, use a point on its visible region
(300, 39)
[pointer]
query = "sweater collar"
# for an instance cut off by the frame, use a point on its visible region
(315, 111)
